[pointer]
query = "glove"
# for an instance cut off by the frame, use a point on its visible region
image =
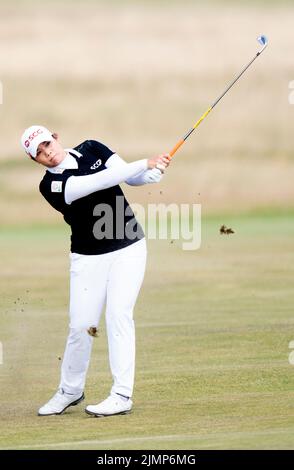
(147, 176)
(152, 176)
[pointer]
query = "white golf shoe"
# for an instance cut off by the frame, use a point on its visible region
(59, 403)
(113, 405)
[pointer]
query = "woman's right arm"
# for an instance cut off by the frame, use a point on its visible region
(80, 186)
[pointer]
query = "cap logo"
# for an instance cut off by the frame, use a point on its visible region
(33, 135)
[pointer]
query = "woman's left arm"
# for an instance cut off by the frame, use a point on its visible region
(153, 175)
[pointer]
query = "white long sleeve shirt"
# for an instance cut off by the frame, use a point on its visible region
(117, 171)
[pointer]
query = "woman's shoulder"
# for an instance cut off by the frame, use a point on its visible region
(94, 147)
(91, 144)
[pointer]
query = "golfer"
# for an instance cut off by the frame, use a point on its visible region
(108, 257)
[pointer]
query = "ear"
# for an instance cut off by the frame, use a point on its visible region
(55, 135)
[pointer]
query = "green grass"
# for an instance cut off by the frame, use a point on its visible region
(213, 329)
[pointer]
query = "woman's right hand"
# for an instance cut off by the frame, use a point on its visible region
(161, 162)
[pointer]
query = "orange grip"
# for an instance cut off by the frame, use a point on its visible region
(176, 147)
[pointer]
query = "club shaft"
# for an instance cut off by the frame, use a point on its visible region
(234, 81)
(181, 141)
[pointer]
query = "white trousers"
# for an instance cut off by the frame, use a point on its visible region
(113, 279)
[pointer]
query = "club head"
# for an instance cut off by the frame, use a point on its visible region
(263, 41)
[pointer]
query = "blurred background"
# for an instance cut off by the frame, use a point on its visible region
(214, 324)
(137, 75)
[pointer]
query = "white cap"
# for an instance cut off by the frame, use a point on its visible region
(33, 136)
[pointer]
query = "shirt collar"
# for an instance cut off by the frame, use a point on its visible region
(68, 163)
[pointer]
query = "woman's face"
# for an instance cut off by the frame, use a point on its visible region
(50, 154)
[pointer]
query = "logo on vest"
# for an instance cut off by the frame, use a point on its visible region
(56, 187)
(96, 165)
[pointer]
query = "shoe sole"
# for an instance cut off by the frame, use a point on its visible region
(105, 416)
(74, 403)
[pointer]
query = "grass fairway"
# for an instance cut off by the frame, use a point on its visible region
(213, 328)
(213, 325)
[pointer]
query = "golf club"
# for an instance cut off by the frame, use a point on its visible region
(264, 42)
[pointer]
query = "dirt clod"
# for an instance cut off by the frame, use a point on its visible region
(225, 230)
(93, 331)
